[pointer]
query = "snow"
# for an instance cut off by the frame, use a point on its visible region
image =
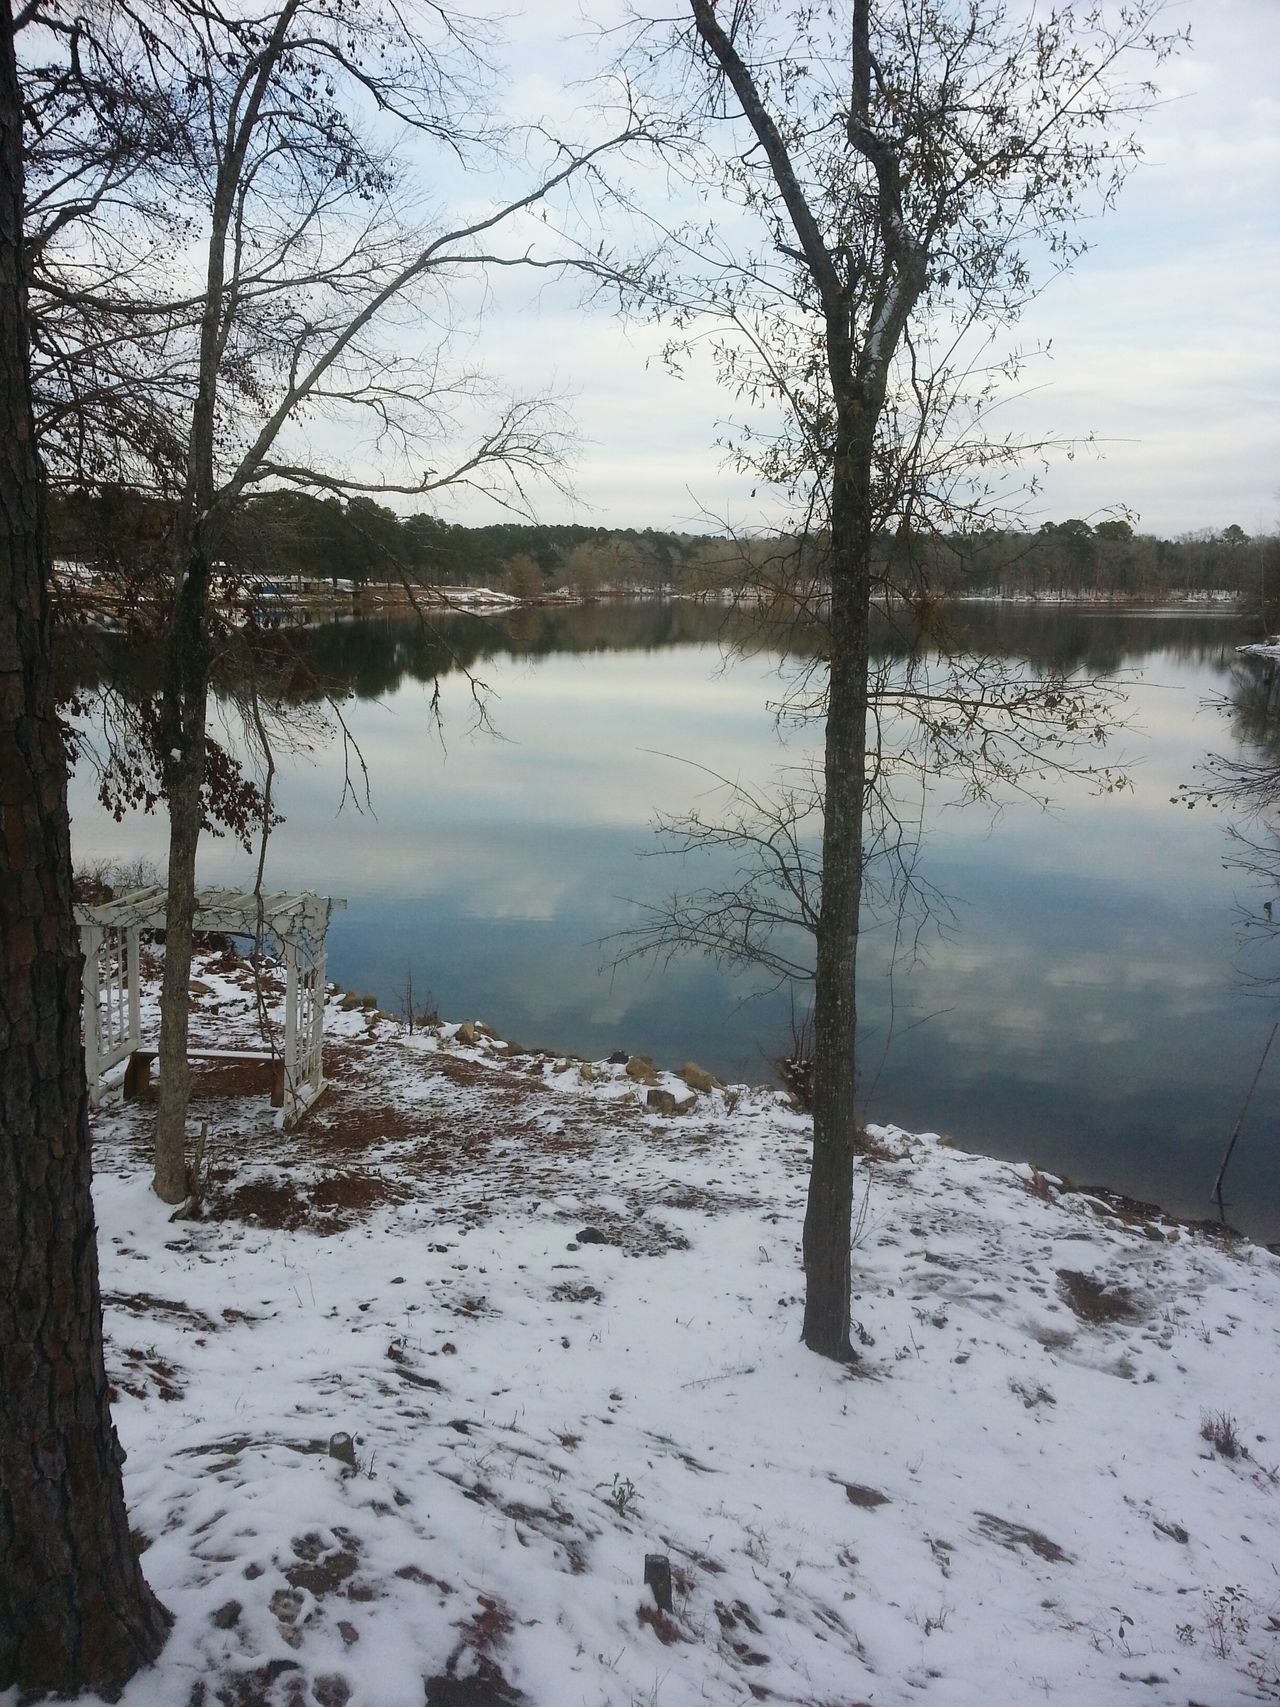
(1005, 1501)
(1174, 598)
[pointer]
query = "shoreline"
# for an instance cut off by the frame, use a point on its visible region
(643, 1074)
(1126, 1205)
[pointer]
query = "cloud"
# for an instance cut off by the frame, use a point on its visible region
(1166, 335)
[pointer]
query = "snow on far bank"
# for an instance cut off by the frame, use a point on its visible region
(563, 1332)
(1175, 598)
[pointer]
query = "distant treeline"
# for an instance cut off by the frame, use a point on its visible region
(1108, 557)
(290, 536)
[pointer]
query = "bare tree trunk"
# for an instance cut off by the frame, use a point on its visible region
(182, 733)
(170, 1178)
(182, 719)
(75, 1611)
(827, 1229)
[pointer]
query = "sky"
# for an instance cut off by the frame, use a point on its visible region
(1164, 342)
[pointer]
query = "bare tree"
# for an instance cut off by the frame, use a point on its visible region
(906, 162)
(75, 1612)
(326, 301)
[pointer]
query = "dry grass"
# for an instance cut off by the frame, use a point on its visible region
(661, 1623)
(1015, 1535)
(873, 1149)
(1093, 1300)
(1223, 1434)
(1038, 1186)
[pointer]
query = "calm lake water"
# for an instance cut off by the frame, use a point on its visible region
(1088, 1006)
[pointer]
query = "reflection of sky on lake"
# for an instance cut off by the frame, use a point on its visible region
(1080, 1010)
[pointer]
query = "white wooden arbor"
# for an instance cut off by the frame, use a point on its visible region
(109, 936)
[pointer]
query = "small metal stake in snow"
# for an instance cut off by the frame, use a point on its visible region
(343, 1448)
(657, 1574)
(1231, 1142)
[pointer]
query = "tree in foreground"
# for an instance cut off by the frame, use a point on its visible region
(899, 168)
(75, 1612)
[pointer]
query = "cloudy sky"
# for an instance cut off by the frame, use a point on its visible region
(1165, 340)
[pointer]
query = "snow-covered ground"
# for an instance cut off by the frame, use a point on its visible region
(563, 1332)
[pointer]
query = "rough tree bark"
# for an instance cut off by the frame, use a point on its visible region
(75, 1612)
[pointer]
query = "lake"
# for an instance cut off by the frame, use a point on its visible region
(1087, 1005)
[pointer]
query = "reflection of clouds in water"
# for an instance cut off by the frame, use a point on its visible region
(1080, 1004)
(1157, 976)
(570, 750)
(1077, 992)
(518, 896)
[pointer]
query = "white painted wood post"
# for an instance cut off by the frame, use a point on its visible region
(135, 987)
(90, 937)
(290, 1034)
(120, 988)
(317, 1022)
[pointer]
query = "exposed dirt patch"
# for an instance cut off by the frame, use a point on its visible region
(326, 1207)
(345, 1122)
(1038, 1186)
(570, 1292)
(874, 1149)
(547, 1521)
(144, 1373)
(254, 1687)
(738, 1614)
(355, 1193)
(1093, 1300)
(485, 1687)
(491, 1622)
(468, 1304)
(461, 1071)
(1032, 1393)
(331, 1689)
(867, 1498)
(1015, 1535)
(704, 1201)
(661, 1623)
(400, 1357)
(639, 1235)
(321, 1567)
(413, 1574)
(229, 1079)
(268, 1202)
(146, 1304)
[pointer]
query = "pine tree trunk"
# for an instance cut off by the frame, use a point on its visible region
(75, 1612)
(827, 1223)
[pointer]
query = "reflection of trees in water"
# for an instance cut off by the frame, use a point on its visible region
(1096, 641)
(1253, 699)
(1247, 783)
(373, 656)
